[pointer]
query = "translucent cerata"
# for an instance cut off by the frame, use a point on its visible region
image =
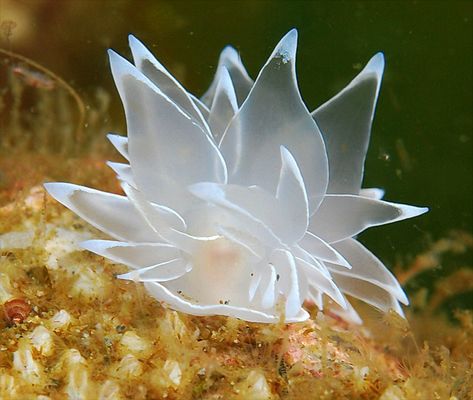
(243, 202)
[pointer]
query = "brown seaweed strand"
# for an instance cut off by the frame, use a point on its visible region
(62, 82)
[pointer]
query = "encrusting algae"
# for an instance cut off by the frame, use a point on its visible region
(77, 332)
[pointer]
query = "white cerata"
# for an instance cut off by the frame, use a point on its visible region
(242, 203)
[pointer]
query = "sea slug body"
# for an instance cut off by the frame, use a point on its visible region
(243, 200)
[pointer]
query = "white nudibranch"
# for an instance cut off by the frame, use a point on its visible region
(242, 203)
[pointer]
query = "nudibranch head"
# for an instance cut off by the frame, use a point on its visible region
(242, 201)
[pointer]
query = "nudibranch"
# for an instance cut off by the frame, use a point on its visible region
(242, 203)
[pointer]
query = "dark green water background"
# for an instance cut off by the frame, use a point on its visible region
(421, 148)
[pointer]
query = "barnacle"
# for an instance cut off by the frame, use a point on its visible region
(242, 200)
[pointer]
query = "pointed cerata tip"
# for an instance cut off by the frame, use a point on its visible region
(90, 245)
(229, 53)
(284, 151)
(130, 276)
(60, 191)
(111, 54)
(138, 49)
(401, 296)
(120, 67)
(119, 63)
(115, 60)
(412, 211)
(132, 39)
(116, 66)
(286, 48)
(423, 210)
(293, 33)
(376, 65)
(287, 157)
(49, 187)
